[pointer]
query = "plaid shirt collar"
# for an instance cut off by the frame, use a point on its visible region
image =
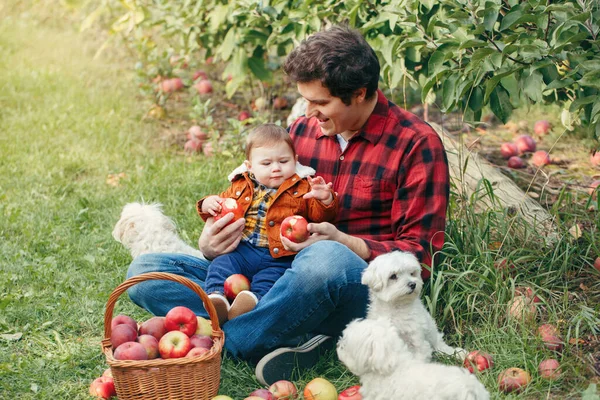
(260, 186)
(372, 130)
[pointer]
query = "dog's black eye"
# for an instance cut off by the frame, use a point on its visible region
(393, 277)
(413, 274)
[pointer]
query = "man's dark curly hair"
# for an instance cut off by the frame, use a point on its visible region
(340, 58)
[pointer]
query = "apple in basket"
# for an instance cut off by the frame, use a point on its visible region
(123, 319)
(204, 327)
(174, 344)
(155, 326)
(131, 351)
(182, 319)
(122, 333)
(201, 341)
(150, 343)
(196, 352)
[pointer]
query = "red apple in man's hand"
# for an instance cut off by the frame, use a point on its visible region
(549, 369)
(122, 333)
(103, 387)
(513, 380)
(234, 284)
(478, 359)
(182, 319)
(201, 341)
(150, 343)
(230, 205)
(352, 393)
(131, 351)
(284, 390)
(262, 394)
(155, 326)
(294, 229)
(320, 389)
(174, 344)
(123, 319)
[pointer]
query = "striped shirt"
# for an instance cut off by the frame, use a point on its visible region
(255, 231)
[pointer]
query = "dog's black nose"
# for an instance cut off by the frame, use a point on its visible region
(412, 285)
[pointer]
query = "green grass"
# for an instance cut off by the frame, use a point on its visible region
(68, 121)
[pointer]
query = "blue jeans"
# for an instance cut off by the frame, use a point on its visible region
(255, 263)
(320, 293)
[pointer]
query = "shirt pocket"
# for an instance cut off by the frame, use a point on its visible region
(373, 195)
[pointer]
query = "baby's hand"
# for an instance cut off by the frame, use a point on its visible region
(320, 190)
(212, 205)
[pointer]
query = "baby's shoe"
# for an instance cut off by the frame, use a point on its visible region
(221, 305)
(244, 302)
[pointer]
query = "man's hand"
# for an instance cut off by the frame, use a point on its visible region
(218, 238)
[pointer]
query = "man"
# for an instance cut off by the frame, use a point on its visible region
(390, 172)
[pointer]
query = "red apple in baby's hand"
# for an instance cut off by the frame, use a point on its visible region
(204, 327)
(197, 351)
(234, 284)
(525, 144)
(513, 380)
(541, 127)
(262, 394)
(122, 333)
(478, 359)
(155, 326)
(540, 158)
(516, 162)
(549, 369)
(103, 387)
(320, 389)
(284, 390)
(509, 150)
(201, 341)
(123, 319)
(182, 319)
(352, 393)
(131, 351)
(174, 344)
(150, 343)
(295, 229)
(230, 205)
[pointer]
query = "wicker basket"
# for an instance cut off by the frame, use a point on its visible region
(194, 378)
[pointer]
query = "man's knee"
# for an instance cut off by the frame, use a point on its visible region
(327, 258)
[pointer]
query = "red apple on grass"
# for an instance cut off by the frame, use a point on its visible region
(516, 162)
(131, 351)
(595, 158)
(478, 359)
(207, 149)
(260, 104)
(597, 264)
(122, 333)
(193, 146)
(199, 74)
(171, 85)
(551, 337)
(221, 397)
(320, 389)
(107, 373)
(509, 150)
(244, 115)
(174, 344)
(203, 86)
(123, 319)
(513, 380)
(527, 292)
(541, 127)
(525, 144)
(103, 387)
(295, 229)
(592, 188)
(549, 369)
(522, 308)
(352, 393)
(204, 327)
(279, 103)
(540, 158)
(155, 326)
(196, 132)
(201, 341)
(182, 319)
(284, 390)
(253, 398)
(262, 394)
(230, 205)
(234, 284)
(150, 343)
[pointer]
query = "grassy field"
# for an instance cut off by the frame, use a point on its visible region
(68, 122)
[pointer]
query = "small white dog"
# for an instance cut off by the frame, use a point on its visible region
(143, 228)
(395, 283)
(373, 350)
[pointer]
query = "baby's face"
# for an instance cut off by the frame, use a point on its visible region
(272, 165)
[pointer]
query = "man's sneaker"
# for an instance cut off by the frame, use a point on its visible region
(279, 364)
(221, 305)
(244, 302)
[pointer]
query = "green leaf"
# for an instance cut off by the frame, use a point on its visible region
(476, 99)
(257, 66)
(490, 16)
(436, 62)
(511, 18)
(533, 86)
(500, 104)
(591, 79)
(228, 45)
(591, 393)
(580, 102)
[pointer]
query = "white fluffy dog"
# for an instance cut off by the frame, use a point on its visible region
(373, 350)
(143, 228)
(395, 283)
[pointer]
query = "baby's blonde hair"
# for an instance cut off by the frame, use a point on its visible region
(268, 135)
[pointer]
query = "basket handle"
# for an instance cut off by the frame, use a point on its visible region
(148, 276)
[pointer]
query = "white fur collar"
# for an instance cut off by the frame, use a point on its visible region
(302, 170)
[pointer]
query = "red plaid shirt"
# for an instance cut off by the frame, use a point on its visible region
(392, 179)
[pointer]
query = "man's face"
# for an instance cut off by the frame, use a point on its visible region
(272, 165)
(333, 115)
